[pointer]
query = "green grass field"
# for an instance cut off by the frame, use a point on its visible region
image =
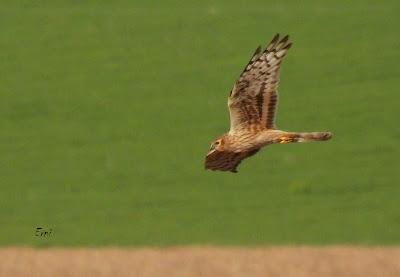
(108, 108)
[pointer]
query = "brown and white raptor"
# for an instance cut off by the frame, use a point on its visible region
(252, 106)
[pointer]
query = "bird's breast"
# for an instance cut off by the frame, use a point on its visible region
(243, 142)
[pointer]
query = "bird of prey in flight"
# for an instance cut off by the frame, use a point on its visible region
(252, 106)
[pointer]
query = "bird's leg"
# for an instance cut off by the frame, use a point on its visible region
(288, 137)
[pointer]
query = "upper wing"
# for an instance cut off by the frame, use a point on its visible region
(227, 161)
(253, 98)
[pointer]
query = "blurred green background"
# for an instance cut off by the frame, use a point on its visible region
(108, 107)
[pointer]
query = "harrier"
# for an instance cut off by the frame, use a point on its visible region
(252, 106)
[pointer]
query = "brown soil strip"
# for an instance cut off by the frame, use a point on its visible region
(202, 261)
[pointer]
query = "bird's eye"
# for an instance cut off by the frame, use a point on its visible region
(214, 144)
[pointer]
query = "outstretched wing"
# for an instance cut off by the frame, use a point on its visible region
(254, 98)
(226, 160)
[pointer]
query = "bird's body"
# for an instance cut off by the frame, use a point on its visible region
(252, 106)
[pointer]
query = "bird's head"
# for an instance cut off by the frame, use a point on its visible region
(217, 145)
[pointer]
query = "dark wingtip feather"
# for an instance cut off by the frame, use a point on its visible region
(273, 43)
(284, 39)
(275, 39)
(258, 50)
(287, 46)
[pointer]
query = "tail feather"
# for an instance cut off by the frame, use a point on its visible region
(305, 137)
(318, 136)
